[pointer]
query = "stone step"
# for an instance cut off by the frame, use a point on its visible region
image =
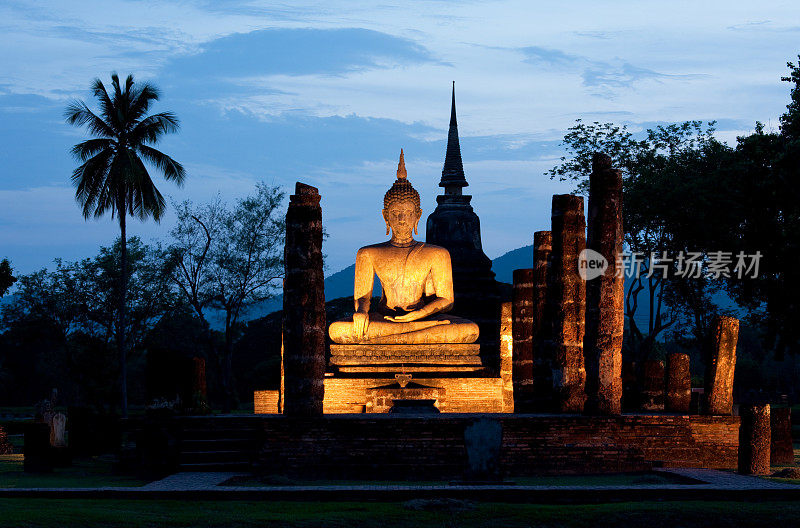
(214, 457)
(216, 466)
(217, 444)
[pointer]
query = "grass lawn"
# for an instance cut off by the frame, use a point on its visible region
(84, 473)
(619, 479)
(130, 513)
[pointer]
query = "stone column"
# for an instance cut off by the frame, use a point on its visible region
(720, 364)
(754, 440)
(304, 305)
(605, 314)
(679, 383)
(652, 395)
(542, 394)
(781, 449)
(522, 331)
(506, 357)
(566, 301)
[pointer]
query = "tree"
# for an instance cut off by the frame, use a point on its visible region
(6, 278)
(113, 176)
(62, 323)
(670, 207)
(229, 260)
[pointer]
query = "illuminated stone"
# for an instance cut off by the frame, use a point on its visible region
(679, 383)
(605, 316)
(542, 393)
(720, 365)
(754, 440)
(304, 305)
(652, 394)
(506, 357)
(522, 331)
(566, 303)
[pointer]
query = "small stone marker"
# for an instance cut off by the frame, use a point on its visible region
(58, 430)
(781, 448)
(754, 440)
(652, 395)
(679, 383)
(483, 440)
(720, 365)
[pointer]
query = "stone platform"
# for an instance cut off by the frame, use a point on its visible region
(456, 357)
(433, 446)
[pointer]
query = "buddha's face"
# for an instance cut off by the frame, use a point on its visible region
(402, 217)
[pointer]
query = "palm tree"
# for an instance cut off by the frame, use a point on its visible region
(113, 176)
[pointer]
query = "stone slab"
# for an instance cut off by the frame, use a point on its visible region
(433, 354)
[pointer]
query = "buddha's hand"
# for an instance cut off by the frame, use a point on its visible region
(360, 324)
(410, 316)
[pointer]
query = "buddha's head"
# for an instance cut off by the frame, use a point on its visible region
(401, 209)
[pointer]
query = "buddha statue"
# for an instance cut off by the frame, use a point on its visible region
(416, 278)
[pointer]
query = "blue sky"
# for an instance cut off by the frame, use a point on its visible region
(328, 93)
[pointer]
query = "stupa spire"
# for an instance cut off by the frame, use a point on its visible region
(453, 172)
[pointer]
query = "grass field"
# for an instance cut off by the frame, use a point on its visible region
(84, 473)
(119, 513)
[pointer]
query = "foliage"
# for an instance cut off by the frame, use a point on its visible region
(113, 177)
(229, 259)
(60, 328)
(6, 278)
(675, 163)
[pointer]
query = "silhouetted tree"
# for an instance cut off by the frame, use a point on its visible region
(229, 259)
(113, 177)
(6, 278)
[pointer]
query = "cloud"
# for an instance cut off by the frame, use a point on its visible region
(551, 57)
(299, 52)
(604, 78)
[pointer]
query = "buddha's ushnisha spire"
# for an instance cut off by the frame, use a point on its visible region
(401, 167)
(453, 172)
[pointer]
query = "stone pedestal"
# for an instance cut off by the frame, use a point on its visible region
(781, 448)
(679, 383)
(382, 399)
(652, 394)
(506, 356)
(720, 365)
(304, 305)
(566, 303)
(754, 440)
(522, 330)
(605, 316)
(450, 357)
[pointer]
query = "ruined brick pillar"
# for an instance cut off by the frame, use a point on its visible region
(679, 383)
(720, 364)
(541, 332)
(522, 332)
(754, 440)
(506, 357)
(781, 449)
(304, 305)
(566, 303)
(652, 394)
(605, 314)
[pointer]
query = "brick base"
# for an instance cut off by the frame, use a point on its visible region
(464, 395)
(387, 446)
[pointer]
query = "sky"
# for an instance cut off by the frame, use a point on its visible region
(327, 93)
